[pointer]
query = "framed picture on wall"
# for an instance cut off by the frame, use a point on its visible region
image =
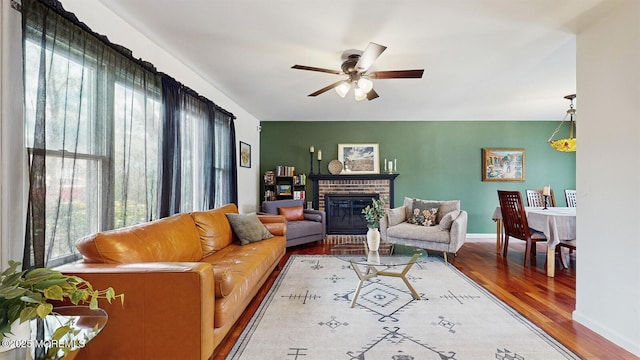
(503, 164)
(245, 155)
(359, 158)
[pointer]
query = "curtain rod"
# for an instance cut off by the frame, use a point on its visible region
(56, 6)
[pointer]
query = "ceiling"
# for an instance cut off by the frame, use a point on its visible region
(483, 59)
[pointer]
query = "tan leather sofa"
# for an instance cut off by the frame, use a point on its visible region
(186, 280)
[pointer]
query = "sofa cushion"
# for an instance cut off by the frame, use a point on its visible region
(214, 228)
(415, 232)
(423, 212)
(447, 220)
(444, 206)
(248, 227)
(246, 266)
(169, 239)
(292, 213)
(296, 229)
(396, 215)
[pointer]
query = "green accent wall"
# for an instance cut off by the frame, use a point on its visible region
(438, 160)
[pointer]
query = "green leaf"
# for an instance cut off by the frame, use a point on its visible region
(60, 332)
(93, 304)
(54, 293)
(51, 282)
(12, 292)
(13, 266)
(28, 313)
(44, 310)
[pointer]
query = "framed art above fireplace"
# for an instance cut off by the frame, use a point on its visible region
(359, 158)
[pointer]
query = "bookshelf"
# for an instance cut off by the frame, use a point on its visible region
(284, 183)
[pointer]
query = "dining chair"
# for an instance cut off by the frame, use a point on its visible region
(514, 220)
(536, 199)
(570, 196)
(568, 244)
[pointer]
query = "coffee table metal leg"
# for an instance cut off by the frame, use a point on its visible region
(370, 272)
(373, 272)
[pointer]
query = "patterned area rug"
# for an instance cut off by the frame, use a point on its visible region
(306, 315)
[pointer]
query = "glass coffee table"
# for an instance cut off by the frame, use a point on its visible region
(376, 264)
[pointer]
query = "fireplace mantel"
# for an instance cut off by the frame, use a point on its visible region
(346, 179)
(316, 177)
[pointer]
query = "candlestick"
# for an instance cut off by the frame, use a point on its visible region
(311, 162)
(319, 161)
(546, 200)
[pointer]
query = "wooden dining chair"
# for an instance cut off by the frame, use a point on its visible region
(536, 199)
(570, 196)
(514, 220)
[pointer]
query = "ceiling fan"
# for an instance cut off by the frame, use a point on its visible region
(355, 67)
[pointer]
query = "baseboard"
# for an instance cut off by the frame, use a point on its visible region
(615, 338)
(481, 238)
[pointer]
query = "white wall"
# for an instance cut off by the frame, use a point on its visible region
(608, 174)
(104, 21)
(13, 176)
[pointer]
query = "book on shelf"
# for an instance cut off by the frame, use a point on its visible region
(282, 170)
(300, 179)
(269, 178)
(269, 195)
(299, 195)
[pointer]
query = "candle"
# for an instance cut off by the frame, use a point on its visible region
(311, 149)
(385, 165)
(319, 154)
(545, 190)
(390, 166)
(395, 165)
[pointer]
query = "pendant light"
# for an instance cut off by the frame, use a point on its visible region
(567, 144)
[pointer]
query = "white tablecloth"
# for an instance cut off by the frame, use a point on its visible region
(557, 223)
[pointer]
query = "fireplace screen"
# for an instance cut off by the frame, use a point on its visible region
(344, 213)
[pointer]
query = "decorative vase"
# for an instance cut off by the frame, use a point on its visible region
(373, 239)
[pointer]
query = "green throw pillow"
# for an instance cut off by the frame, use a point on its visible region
(248, 227)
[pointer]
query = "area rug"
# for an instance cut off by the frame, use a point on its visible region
(307, 315)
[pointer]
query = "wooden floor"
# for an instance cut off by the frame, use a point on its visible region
(547, 302)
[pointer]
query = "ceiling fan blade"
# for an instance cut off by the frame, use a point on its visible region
(397, 74)
(327, 88)
(311, 68)
(372, 95)
(369, 55)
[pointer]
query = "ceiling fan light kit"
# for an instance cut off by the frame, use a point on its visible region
(355, 67)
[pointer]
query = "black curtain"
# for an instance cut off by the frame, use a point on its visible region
(198, 152)
(111, 141)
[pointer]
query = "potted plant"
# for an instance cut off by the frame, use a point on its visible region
(28, 294)
(372, 215)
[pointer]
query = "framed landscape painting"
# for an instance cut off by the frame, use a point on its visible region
(359, 158)
(503, 164)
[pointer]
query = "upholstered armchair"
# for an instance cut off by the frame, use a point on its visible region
(427, 224)
(303, 225)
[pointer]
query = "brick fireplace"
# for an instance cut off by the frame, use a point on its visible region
(365, 184)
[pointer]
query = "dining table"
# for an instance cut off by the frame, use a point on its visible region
(556, 223)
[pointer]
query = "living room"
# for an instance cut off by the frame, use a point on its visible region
(606, 77)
